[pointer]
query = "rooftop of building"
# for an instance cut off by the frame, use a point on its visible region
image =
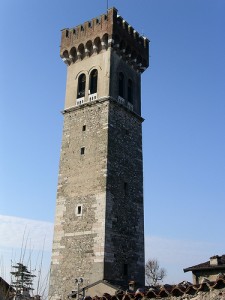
(108, 30)
(215, 262)
(180, 290)
(6, 284)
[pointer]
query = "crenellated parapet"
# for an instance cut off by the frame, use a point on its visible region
(107, 31)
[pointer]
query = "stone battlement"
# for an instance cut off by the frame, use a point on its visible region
(97, 35)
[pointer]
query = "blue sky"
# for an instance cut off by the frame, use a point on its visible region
(183, 103)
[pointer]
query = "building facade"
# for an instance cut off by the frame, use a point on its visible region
(99, 224)
(7, 292)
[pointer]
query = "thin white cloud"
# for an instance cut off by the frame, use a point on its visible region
(15, 231)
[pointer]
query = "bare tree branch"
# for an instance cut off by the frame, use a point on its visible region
(153, 272)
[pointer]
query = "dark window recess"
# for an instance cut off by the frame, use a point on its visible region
(125, 187)
(130, 91)
(93, 81)
(125, 269)
(121, 85)
(81, 86)
(67, 33)
(84, 128)
(82, 28)
(82, 150)
(79, 210)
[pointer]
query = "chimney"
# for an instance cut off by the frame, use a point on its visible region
(132, 286)
(215, 260)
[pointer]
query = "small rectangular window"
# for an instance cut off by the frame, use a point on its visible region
(82, 150)
(84, 128)
(125, 269)
(78, 210)
(125, 187)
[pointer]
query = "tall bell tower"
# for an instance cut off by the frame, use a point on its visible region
(99, 223)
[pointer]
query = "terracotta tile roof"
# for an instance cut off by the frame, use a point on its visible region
(206, 265)
(184, 288)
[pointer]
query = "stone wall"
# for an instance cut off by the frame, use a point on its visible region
(124, 213)
(78, 247)
(99, 226)
(106, 239)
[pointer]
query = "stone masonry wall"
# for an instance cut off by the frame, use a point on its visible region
(78, 247)
(124, 258)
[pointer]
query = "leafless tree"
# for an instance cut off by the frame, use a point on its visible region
(153, 272)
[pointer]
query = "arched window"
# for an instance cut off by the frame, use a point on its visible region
(130, 91)
(93, 81)
(81, 86)
(121, 85)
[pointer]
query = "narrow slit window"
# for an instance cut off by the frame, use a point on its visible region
(81, 86)
(125, 269)
(82, 150)
(84, 128)
(93, 81)
(130, 91)
(125, 187)
(78, 210)
(121, 85)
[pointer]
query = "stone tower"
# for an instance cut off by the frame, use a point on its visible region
(99, 224)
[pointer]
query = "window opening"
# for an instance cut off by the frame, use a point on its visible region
(125, 187)
(79, 209)
(84, 128)
(82, 150)
(121, 85)
(130, 91)
(125, 269)
(81, 86)
(67, 33)
(93, 81)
